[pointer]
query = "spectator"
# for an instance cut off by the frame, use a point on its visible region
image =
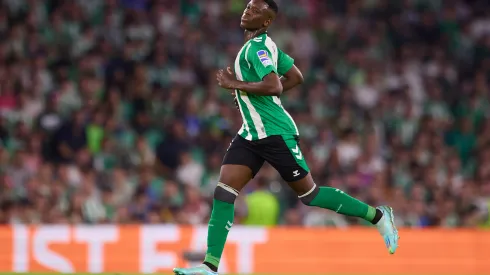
(71, 138)
(262, 206)
(109, 110)
(194, 209)
(189, 172)
(169, 150)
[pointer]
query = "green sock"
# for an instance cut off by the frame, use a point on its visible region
(219, 225)
(340, 202)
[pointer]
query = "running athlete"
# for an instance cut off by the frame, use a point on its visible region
(261, 73)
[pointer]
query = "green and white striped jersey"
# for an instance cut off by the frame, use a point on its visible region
(263, 116)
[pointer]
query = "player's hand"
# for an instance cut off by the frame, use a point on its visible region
(225, 78)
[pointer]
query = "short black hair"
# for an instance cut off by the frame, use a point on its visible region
(272, 5)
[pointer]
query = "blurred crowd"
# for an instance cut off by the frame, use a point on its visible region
(109, 110)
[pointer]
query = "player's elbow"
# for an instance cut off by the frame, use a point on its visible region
(295, 76)
(300, 79)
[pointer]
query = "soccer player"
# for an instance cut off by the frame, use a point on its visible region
(261, 73)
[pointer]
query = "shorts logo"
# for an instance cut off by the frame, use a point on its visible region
(264, 58)
(296, 173)
(297, 153)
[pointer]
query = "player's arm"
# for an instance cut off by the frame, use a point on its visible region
(259, 58)
(291, 75)
(269, 86)
(291, 78)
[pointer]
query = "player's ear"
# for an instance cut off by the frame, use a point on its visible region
(267, 22)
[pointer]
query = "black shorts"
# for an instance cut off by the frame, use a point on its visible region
(283, 153)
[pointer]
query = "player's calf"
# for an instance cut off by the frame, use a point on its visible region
(220, 223)
(338, 201)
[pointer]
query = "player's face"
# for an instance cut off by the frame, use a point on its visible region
(255, 16)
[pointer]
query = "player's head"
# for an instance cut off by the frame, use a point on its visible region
(259, 14)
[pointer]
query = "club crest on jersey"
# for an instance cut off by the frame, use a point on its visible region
(264, 58)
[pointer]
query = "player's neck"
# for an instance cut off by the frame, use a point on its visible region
(254, 33)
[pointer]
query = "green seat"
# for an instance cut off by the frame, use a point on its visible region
(198, 155)
(154, 137)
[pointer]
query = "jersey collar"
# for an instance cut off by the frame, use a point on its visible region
(264, 34)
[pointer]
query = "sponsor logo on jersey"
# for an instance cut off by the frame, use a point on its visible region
(264, 58)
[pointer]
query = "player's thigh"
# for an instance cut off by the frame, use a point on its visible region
(284, 154)
(240, 164)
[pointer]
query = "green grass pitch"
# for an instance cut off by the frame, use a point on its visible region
(4, 273)
(11, 273)
(8, 273)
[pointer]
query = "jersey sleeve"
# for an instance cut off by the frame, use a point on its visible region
(284, 62)
(261, 59)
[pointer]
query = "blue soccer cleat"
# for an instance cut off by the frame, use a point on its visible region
(198, 270)
(387, 229)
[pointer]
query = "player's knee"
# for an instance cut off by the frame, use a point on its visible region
(225, 193)
(309, 196)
